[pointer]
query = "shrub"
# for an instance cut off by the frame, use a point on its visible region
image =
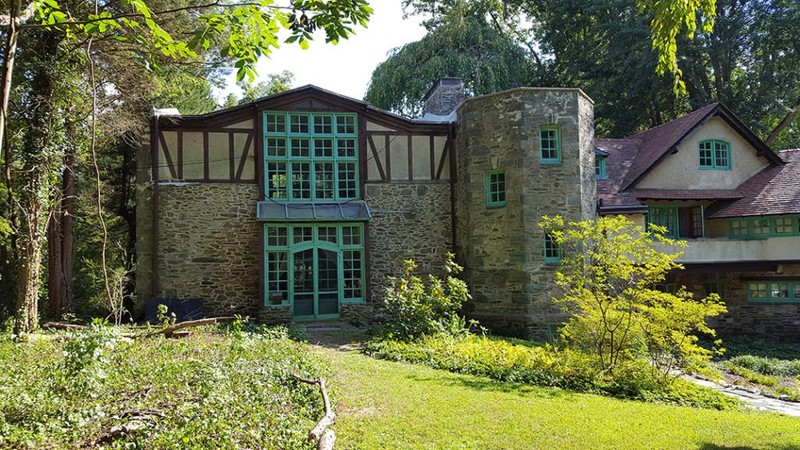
(609, 273)
(414, 308)
(544, 366)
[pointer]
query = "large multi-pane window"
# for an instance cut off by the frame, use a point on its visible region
(314, 267)
(773, 291)
(310, 156)
(763, 227)
(714, 154)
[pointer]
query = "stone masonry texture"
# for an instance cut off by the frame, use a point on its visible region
(209, 245)
(410, 221)
(502, 249)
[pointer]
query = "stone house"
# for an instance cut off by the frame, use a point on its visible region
(298, 206)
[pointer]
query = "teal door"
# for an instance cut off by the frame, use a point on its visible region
(316, 283)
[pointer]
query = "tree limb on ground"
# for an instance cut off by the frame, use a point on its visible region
(167, 331)
(321, 434)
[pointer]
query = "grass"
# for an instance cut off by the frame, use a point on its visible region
(392, 405)
(771, 367)
(207, 391)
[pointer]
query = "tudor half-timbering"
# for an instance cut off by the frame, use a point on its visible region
(299, 205)
(294, 206)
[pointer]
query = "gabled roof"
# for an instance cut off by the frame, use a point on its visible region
(657, 142)
(774, 190)
(310, 97)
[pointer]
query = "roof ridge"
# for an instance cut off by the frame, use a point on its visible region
(677, 119)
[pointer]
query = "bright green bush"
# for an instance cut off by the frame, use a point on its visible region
(766, 366)
(414, 308)
(544, 366)
(206, 391)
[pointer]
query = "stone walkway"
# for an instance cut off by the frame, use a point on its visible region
(343, 336)
(752, 399)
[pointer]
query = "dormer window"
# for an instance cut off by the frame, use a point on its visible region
(714, 154)
(600, 167)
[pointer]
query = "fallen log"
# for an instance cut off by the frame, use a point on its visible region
(169, 331)
(62, 326)
(321, 434)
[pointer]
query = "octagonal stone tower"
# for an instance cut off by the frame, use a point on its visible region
(521, 154)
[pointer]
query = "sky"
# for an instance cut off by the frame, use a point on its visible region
(346, 68)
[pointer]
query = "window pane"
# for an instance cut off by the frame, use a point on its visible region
(275, 123)
(548, 141)
(277, 237)
(779, 290)
(345, 124)
(276, 176)
(328, 234)
(301, 181)
(352, 273)
(783, 225)
(276, 147)
(277, 276)
(323, 177)
(757, 290)
(323, 124)
(347, 180)
(301, 148)
(346, 148)
(761, 227)
(351, 235)
(298, 124)
(302, 234)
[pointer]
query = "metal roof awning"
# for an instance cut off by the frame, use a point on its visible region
(300, 211)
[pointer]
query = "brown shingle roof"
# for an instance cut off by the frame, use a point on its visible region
(686, 194)
(774, 190)
(620, 155)
(657, 141)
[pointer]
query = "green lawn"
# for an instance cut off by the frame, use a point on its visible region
(383, 404)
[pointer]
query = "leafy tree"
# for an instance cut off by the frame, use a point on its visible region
(72, 33)
(275, 83)
(461, 45)
(610, 272)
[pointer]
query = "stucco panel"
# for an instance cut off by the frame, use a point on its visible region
(682, 169)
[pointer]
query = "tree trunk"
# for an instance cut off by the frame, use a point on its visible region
(40, 157)
(60, 240)
(784, 124)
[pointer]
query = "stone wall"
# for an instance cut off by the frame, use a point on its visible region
(767, 320)
(409, 221)
(502, 249)
(209, 246)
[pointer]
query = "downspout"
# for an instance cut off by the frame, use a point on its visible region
(154, 167)
(451, 147)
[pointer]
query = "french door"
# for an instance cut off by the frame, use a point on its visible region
(316, 282)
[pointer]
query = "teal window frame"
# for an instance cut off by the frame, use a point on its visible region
(550, 144)
(282, 241)
(714, 154)
(666, 216)
(496, 189)
(670, 217)
(773, 291)
(763, 227)
(310, 156)
(552, 251)
(600, 167)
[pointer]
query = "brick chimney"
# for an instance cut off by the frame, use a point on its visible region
(444, 97)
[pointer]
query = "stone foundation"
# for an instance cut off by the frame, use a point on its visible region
(765, 320)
